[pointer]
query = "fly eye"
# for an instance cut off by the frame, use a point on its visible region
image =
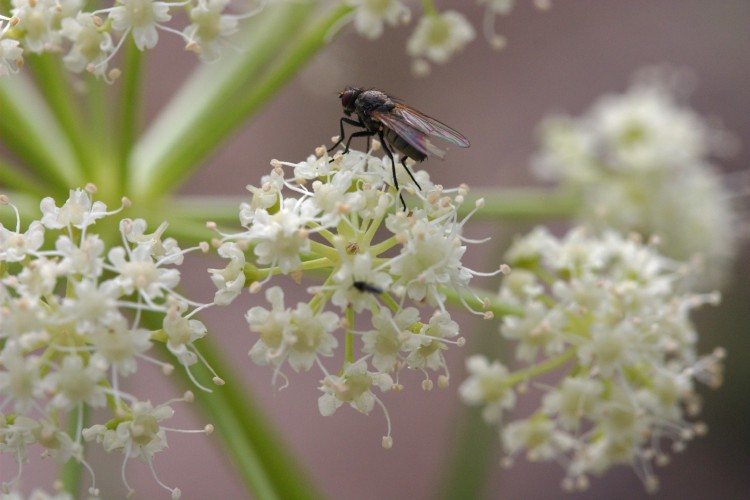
(347, 97)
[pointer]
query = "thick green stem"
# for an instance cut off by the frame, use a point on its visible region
(206, 110)
(129, 110)
(30, 130)
(52, 81)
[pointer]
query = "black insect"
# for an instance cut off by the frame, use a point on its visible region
(365, 287)
(398, 126)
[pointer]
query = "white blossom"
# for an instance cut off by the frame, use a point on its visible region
(71, 329)
(641, 160)
(440, 36)
(607, 316)
(371, 15)
(338, 219)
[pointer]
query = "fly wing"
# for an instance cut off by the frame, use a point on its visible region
(430, 126)
(415, 128)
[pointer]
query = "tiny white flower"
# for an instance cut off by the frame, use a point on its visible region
(487, 385)
(358, 270)
(17, 436)
(429, 354)
(271, 326)
(354, 386)
(15, 246)
(36, 20)
(281, 238)
(181, 333)
(230, 280)
(78, 211)
(93, 305)
(430, 259)
(91, 46)
(209, 27)
(137, 271)
(118, 344)
(371, 15)
(440, 36)
(142, 18)
(11, 56)
(84, 259)
(573, 401)
(539, 436)
(390, 337)
(38, 278)
(309, 336)
(75, 382)
(20, 379)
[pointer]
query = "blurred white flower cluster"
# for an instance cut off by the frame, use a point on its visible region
(72, 328)
(640, 161)
(338, 220)
(438, 35)
(90, 39)
(607, 339)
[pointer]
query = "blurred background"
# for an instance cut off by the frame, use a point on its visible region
(556, 61)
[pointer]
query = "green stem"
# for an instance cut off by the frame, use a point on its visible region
(219, 209)
(324, 251)
(522, 203)
(499, 309)
(541, 368)
(15, 178)
(30, 130)
(129, 109)
(71, 471)
(206, 110)
(52, 81)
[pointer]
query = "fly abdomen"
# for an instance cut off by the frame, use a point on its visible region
(404, 148)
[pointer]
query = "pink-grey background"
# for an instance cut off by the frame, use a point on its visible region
(560, 60)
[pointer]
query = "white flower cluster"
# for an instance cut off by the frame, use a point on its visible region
(324, 218)
(640, 162)
(602, 314)
(72, 327)
(438, 36)
(90, 39)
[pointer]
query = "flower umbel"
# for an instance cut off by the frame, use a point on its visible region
(605, 315)
(338, 219)
(641, 160)
(71, 329)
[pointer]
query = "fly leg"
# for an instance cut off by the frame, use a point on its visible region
(393, 167)
(408, 171)
(342, 136)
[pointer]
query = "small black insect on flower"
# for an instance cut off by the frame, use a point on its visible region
(398, 126)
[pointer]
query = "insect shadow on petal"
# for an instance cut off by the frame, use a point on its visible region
(399, 127)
